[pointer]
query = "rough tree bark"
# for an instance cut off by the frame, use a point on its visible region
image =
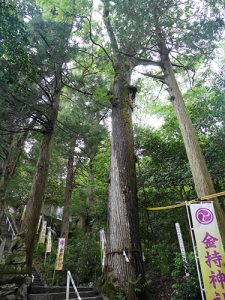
(201, 176)
(123, 221)
(67, 197)
(30, 222)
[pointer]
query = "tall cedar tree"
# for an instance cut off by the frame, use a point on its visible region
(53, 59)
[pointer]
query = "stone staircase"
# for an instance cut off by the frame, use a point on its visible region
(6, 237)
(59, 293)
(36, 280)
(37, 291)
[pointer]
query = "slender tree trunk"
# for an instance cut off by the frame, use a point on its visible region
(67, 197)
(90, 195)
(14, 153)
(30, 222)
(123, 222)
(9, 164)
(201, 177)
(84, 219)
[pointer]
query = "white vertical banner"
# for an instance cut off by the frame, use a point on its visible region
(210, 249)
(24, 211)
(182, 248)
(49, 241)
(103, 246)
(43, 232)
(39, 223)
(60, 255)
(48, 244)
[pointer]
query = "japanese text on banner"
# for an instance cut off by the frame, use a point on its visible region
(43, 232)
(210, 249)
(39, 223)
(60, 255)
(49, 241)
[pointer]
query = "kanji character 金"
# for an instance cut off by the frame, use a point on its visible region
(209, 241)
(215, 257)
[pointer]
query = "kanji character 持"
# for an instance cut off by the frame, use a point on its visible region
(214, 257)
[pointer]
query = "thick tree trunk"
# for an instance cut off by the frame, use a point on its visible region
(30, 222)
(201, 177)
(67, 197)
(123, 222)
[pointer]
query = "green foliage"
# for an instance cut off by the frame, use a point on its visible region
(140, 284)
(46, 270)
(160, 259)
(13, 35)
(83, 257)
(35, 36)
(185, 287)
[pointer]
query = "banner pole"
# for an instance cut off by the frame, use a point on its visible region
(195, 252)
(53, 277)
(50, 258)
(45, 258)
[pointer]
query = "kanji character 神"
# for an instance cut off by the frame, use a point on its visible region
(214, 257)
(219, 278)
(209, 241)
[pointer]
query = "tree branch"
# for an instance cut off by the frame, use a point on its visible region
(154, 76)
(109, 27)
(76, 89)
(141, 61)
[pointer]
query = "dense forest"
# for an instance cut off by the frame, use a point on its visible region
(109, 108)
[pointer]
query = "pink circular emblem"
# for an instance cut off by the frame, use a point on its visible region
(204, 216)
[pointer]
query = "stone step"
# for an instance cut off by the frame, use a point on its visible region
(61, 295)
(5, 229)
(8, 240)
(7, 234)
(83, 298)
(56, 289)
(36, 283)
(88, 298)
(37, 280)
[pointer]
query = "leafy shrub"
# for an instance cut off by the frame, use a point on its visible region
(159, 258)
(83, 257)
(185, 287)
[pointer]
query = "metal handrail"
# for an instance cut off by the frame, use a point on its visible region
(2, 247)
(10, 227)
(70, 278)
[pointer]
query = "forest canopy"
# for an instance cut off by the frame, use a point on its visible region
(108, 108)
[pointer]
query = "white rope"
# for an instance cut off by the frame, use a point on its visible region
(103, 246)
(125, 256)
